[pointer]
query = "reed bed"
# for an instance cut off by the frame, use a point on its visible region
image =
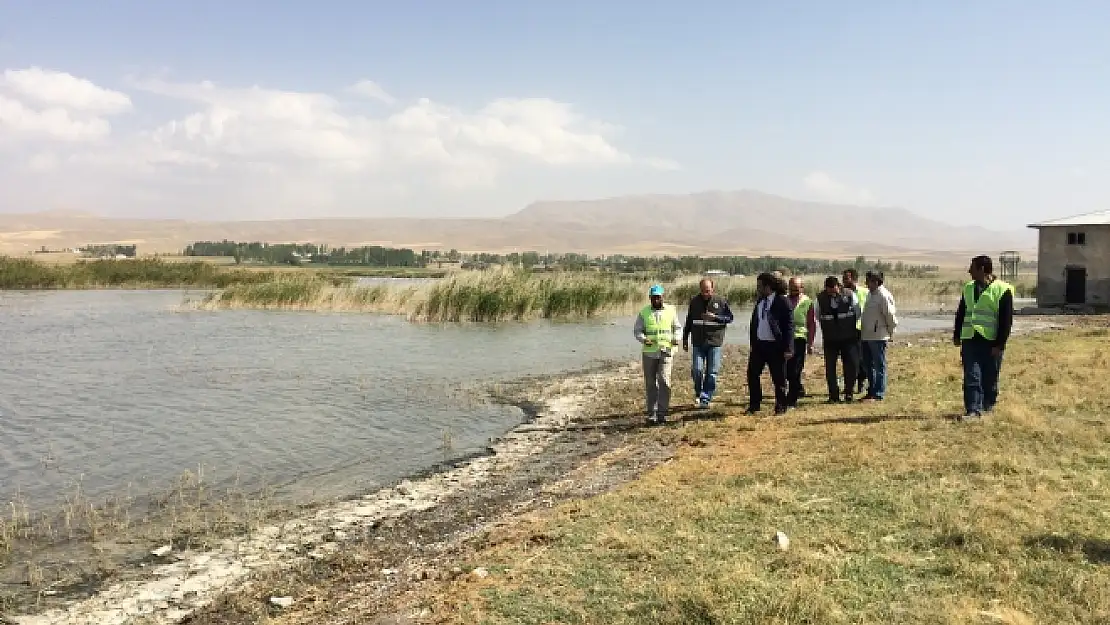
(520, 295)
(511, 295)
(474, 297)
(25, 273)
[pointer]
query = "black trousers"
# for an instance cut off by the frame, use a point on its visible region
(771, 355)
(795, 367)
(848, 353)
(864, 364)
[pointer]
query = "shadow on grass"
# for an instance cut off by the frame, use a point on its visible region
(1095, 550)
(866, 419)
(627, 422)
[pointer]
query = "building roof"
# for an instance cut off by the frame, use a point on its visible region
(1097, 218)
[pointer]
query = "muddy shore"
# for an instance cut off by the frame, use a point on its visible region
(421, 515)
(386, 543)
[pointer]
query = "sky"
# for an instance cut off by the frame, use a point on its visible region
(988, 113)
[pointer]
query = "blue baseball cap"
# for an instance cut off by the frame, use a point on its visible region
(656, 290)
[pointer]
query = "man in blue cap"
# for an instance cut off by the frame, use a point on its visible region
(659, 331)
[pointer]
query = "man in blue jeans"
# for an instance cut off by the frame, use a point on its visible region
(984, 319)
(878, 321)
(707, 318)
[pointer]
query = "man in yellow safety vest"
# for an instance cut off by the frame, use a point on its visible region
(657, 327)
(984, 319)
(805, 327)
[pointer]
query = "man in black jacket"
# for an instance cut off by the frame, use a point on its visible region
(772, 342)
(707, 318)
(984, 320)
(837, 312)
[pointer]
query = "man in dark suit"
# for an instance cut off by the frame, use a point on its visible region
(771, 337)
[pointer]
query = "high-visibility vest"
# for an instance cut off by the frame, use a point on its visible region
(660, 332)
(801, 311)
(982, 315)
(862, 295)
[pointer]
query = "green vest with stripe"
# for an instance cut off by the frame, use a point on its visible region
(801, 311)
(660, 332)
(862, 295)
(982, 315)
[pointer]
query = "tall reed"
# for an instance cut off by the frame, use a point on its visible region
(520, 295)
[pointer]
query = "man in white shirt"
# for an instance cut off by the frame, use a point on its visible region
(879, 321)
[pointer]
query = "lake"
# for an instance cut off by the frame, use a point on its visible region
(124, 390)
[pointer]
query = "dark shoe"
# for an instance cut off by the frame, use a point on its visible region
(751, 412)
(848, 399)
(832, 400)
(781, 410)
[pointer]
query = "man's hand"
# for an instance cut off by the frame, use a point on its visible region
(649, 342)
(708, 316)
(809, 350)
(789, 354)
(996, 351)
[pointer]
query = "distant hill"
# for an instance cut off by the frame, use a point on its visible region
(736, 222)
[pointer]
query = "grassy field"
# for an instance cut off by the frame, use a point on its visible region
(895, 513)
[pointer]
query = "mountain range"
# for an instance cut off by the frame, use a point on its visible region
(708, 223)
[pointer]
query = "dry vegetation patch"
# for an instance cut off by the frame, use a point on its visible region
(894, 512)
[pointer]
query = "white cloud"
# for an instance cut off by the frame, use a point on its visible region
(43, 103)
(65, 90)
(257, 151)
(831, 189)
(372, 90)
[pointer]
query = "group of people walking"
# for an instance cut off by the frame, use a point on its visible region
(857, 322)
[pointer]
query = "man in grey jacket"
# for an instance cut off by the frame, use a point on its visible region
(878, 323)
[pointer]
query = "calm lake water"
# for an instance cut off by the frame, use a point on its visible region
(122, 389)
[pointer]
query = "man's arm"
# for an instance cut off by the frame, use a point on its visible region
(891, 311)
(676, 328)
(961, 310)
(1005, 319)
(811, 323)
(638, 329)
(786, 323)
(855, 306)
(689, 327)
(725, 316)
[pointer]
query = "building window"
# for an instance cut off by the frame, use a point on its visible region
(1077, 238)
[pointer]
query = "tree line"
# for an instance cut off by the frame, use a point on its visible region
(379, 256)
(305, 253)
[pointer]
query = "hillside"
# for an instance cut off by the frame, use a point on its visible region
(740, 222)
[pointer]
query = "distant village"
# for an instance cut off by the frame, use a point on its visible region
(97, 252)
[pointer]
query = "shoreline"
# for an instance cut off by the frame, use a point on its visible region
(169, 587)
(521, 470)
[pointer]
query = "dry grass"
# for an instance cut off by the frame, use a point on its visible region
(514, 295)
(83, 540)
(896, 514)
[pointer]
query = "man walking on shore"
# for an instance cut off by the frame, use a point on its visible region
(658, 329)
(984, 319)
(850, 278)
(771, 337)
(838, 311)
(879, 323)
(805, 327)
(707, 318)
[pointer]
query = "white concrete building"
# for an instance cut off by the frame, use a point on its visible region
(1073, 261)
